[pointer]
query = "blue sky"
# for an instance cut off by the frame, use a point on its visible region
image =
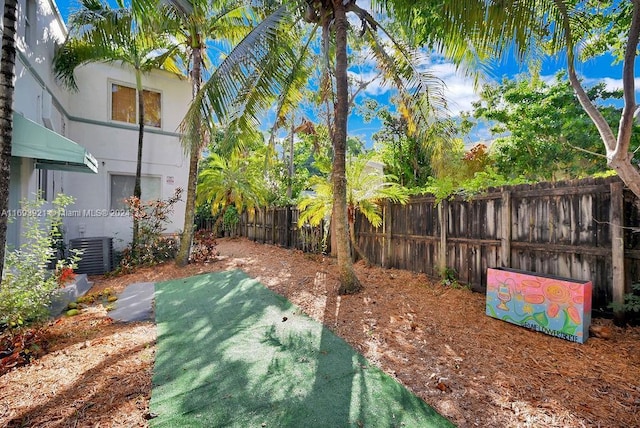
(459, 89)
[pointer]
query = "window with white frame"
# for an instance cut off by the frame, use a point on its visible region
(122, 188)
(124, 105)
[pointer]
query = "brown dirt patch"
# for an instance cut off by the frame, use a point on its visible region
(437, 341)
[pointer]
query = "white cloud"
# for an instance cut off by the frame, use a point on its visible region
(459, 89)
(611, 83)
(376, 85)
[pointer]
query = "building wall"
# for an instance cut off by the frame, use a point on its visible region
(84, 117)
(36, 97)
(115, 146)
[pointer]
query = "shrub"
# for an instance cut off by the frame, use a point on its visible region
(631, 302)
(204, 247)
(27, 285)
(230, 220)
(152, 247)
(64, 274)
(449, 278)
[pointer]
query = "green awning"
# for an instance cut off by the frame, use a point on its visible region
(49, 149)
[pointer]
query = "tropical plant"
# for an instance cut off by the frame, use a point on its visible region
(153, 246)
(7, 90)
(404, 155)
(126, 35)
(236, 181)
(631, 301)
(312, 157)
(204, 249)
(263, 69)
(367, 186)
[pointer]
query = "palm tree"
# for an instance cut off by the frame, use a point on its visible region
(233, 181)
(196, 22)
(261, 67)
(7, 86)
(366, 188)
(99, 33)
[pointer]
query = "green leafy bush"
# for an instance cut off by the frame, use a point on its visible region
(230, 219)
(449, 278)
(27, 285)
(631, 301)
(448, 187)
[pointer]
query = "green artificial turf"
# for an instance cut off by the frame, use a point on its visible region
(231, 352)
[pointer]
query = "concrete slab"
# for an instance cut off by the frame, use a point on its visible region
(70, 293)
(135, 303)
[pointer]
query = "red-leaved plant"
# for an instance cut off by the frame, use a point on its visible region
(64, 275)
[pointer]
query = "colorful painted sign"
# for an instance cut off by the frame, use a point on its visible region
(556, 306)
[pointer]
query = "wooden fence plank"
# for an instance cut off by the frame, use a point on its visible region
(443, 213)
(505, 230)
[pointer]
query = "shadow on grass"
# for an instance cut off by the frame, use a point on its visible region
(232, 353)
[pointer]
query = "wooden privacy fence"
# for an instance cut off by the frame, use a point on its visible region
(581, 229)
(279, 226)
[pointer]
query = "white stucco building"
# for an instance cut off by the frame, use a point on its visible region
(84, 143)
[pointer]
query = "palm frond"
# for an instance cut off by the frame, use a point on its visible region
(298, 77)
(99, 33)
(249, 72)
(421, 94)
(366, 187)
(235, 180)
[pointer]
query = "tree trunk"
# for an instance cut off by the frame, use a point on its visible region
(620, 158)
(349, 283)
(7, 86)
(190, 207)
(194, 157)
(137, 189)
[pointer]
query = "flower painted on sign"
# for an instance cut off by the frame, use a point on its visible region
(556, 293)
(553, 310)
(561, 296)
(574, 314)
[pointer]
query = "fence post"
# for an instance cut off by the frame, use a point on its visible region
(443, 213)
(255, 224)
(617, 248)
(386, 241)
(505, 232)
(273, 226)
(289, 228)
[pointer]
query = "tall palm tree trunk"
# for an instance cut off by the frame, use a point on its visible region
(7, 74)
(194, 157)
(349, 283)
(137, 189)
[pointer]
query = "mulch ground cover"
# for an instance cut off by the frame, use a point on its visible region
(437, 341)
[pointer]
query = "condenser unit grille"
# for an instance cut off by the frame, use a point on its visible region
(97, 254)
